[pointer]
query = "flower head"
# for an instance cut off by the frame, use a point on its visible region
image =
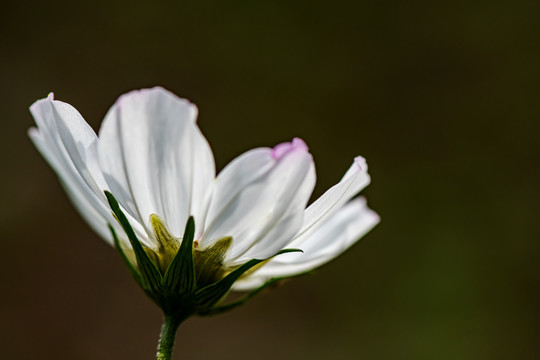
(153, 167)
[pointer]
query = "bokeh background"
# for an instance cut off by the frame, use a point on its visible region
(442, 98)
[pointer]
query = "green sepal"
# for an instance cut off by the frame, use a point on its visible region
(241, 301)
(132, 270)
(151, 278)
(177, 289)
(211, 294)
(209, 262)
(180, 275)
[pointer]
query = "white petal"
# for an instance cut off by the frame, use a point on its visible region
(74, 189)
(354, 180)
(155, 158)
(97, 222)
(60, 124)
(249, 283)
(259, 200)
(333, 237)
(80, 142)
(68, 144)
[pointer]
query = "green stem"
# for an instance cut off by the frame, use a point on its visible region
(166, 339)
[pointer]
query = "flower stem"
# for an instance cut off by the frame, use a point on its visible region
(166, 339)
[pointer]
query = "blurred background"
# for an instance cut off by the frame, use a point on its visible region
(440, 97)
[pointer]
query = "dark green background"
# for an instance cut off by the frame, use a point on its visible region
(442, 98)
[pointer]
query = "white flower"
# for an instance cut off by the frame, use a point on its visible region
(152, 157)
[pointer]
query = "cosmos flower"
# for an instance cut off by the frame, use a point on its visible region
(151, 156)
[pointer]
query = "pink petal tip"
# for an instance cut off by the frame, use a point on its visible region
(282, 149)
(360, 162)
